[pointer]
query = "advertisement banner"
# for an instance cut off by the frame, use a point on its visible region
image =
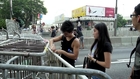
(80, 12)
(60, 17)
(95, 11)
(109, 12)
(38, 15)
(41, 16)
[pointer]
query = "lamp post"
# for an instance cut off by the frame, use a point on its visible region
(11, 9)
(115, 25)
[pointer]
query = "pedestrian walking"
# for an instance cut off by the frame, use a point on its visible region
(79, 23)
(81, 38)
(53, 31)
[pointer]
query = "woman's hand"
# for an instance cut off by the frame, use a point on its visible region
(91, 58)
(85, 65)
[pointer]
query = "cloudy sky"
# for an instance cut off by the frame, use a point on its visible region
(57, 7)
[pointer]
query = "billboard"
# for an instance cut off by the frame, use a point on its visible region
(60, 17)
(39, 16)
(79, 12)
(109, 12)
(95, 11)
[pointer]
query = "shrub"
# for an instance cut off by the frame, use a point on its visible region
(88, 28)
(2, 23)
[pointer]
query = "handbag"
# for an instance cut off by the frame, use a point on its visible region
(86, 62)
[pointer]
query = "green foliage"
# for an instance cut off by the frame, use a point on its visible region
(120, 22)
(88, 28)
(24, 9)
(2, 23)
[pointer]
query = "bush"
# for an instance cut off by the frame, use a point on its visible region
(2, 23)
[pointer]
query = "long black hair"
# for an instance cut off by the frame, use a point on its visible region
(103, 37)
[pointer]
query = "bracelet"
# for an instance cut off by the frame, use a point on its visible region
(94, 60)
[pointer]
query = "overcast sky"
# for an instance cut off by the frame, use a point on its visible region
(57, 7)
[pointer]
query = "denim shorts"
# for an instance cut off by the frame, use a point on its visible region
(81, 39)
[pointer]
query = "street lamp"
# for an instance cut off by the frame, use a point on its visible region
(11, 9)
(115, 25)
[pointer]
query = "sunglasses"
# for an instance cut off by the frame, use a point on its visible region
(132, 15)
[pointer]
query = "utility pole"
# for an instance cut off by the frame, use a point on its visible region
(115, 24)
(11, 9)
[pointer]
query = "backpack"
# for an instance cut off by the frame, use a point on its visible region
(133, 51)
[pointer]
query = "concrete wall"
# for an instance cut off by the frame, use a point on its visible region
(116, 41)
(124, 41)
(120, 32)
(124, 37)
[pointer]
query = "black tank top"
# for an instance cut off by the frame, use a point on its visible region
(66, 46)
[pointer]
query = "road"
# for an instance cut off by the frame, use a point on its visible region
(119, 59)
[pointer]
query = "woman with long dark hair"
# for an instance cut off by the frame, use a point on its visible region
(101, 49)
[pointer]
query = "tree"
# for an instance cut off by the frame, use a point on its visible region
(27, 10)
(120, 22)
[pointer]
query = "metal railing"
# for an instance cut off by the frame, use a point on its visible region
(51, 70)
(22, 58)
(55, 60)
(23, 65)
(6, 53)
(4, 57)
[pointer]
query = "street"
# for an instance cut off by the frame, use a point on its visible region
(119, 59)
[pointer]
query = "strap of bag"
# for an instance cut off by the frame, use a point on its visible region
(132, 52)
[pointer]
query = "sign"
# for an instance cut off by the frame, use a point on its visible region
(60, 17)
(109, 12)
(95, 11)
(39, 16)
(79, 12)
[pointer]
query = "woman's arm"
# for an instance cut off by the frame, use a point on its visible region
(105, 63)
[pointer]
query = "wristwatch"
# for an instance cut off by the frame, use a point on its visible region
(95, 60)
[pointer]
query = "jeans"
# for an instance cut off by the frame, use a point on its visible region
(94, 77)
